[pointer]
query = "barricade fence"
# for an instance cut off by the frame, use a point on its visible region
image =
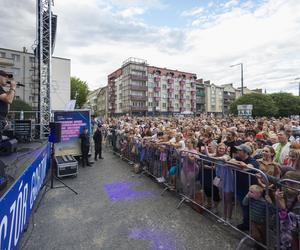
(224, 189)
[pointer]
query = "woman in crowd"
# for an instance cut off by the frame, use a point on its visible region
(190, 169)
(267, 164)
(224, 180)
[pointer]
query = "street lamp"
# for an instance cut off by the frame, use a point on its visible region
(297, 79)
(242, 75)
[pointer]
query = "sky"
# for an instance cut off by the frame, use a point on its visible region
(198, 36)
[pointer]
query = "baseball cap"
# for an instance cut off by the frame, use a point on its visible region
(5, 74)
(245, 148)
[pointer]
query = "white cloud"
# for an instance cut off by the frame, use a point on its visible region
(132, 11)
(98, 38)
(231, 3)
(193, 12)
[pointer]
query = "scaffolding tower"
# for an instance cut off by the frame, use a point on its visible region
(43, 53)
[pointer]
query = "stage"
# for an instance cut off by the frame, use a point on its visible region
(27, 170)
(16, 163)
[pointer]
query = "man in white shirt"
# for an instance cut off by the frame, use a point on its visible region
(282, 148)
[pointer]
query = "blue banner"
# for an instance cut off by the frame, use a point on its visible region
(73, 123)
(18, 202)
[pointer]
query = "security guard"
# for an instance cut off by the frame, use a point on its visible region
(85, 147)
(98, 142)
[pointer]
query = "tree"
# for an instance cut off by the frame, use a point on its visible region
(263, 105)
(287, 104)
(19, 105)
(79, 91)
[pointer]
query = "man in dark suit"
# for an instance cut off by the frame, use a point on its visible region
(98, 142)
(85, 147)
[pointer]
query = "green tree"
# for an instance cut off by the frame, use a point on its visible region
(263, 105)
(79, 91)
(287, 104)
(19, 105)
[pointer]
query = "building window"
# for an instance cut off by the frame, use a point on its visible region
(15, 57)
(2, 54)
(150, 104)
(164, 86)
(18, 98)
(16, 71)
(164, 105)
(31, 59)
(176, 96)
(176, 105)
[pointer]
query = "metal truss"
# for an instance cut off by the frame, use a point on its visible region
(44, 54)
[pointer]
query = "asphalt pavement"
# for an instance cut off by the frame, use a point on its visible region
(117, 209)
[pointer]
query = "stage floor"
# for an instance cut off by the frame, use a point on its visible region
(16, 163)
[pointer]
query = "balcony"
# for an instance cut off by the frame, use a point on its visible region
(170, 90)
(170, 81)
(112, 97)
(193, 85)
(135, 108)
(182, 109)
(181, 101)
(170, 109)
(182, 82)
(139, 97)
(138, 87)
(200, 100)
(193, 92)
(6, 61)
(156, 98)
(156, 89)
(181, 91)
(156, 79)
(138, 77)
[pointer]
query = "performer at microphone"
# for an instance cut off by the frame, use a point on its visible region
(6, 97)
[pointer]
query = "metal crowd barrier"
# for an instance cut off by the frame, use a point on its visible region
(193, 177)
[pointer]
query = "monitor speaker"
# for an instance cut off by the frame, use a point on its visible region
(55, 132)
(8, 147)
(3, 177)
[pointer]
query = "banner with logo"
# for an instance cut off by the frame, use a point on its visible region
(17, 203)
(73, 123)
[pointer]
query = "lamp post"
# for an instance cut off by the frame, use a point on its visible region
(298, 79)
(242, 75)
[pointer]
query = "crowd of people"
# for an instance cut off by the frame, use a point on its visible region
(267, 148)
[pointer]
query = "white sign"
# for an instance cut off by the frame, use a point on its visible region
(245, 110)
(245, 107)
(71, 105)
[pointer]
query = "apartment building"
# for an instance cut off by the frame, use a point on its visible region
(139, 89)
(92, 102)
(214, 99)
(102, 102)
(23, 66)
(200, 96)
(229, 96)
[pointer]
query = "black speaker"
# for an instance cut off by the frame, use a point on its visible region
(3, 177)
(55, 132)
(8, 147)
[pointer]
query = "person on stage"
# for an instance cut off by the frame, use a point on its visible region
(6, 97)
(98, 142)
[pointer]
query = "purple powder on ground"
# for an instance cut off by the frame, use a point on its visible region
(158, 239)
(126, 190)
